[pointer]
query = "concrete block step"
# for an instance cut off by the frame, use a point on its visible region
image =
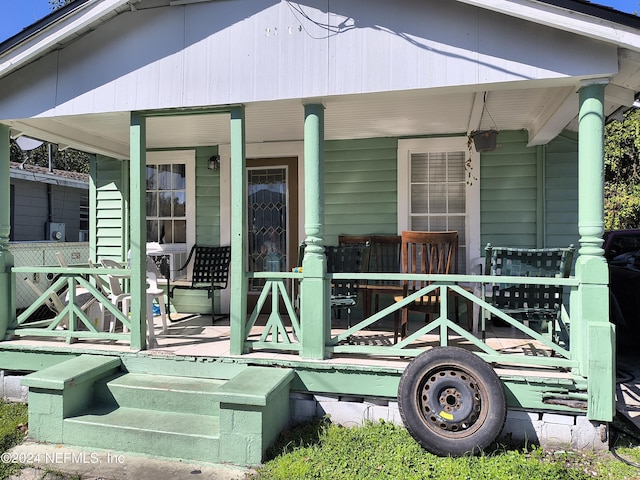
(164, 393)
(164, 434)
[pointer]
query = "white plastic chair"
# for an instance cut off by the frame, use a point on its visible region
(56, 303)
(123, 299)
(116, 295)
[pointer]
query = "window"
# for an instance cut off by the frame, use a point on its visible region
(83, 232)
(433, 194)
(170, 197)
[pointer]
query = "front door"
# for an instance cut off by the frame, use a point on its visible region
(272, 215)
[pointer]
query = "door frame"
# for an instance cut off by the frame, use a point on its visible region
(264, 151)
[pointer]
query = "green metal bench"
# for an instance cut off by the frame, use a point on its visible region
(528, 302)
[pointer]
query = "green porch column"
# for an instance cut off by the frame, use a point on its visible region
(138, 230)
(239, 284)
(7, 280)
(593, 336)
(314, 290)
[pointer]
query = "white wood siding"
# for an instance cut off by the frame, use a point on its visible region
(242, 51)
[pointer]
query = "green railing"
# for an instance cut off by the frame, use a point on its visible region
(276, 333)
(71, 319)
(283, 328)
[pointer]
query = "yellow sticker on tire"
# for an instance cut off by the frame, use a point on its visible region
(446, 416)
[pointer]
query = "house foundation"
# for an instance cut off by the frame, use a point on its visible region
(548, 430)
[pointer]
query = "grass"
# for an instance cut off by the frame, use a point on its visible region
(13, 424)
(382, 450)
(385, 451)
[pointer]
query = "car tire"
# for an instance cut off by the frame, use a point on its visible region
(452, 402)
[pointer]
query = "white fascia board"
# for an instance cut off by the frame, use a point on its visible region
(566, 20)
(31, 48)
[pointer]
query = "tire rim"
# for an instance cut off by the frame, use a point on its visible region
(450, 402)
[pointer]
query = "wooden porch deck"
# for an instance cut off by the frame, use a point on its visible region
(195, 336)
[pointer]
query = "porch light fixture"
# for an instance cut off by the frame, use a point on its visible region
(214, 162)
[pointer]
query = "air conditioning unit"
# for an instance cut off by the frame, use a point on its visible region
(56, 231)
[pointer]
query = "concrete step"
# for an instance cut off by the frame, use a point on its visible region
(90, 402)
(163, 393)
(135, 430)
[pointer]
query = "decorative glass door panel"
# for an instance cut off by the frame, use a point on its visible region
(267, 222)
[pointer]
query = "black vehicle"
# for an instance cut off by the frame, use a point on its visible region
(622, 251)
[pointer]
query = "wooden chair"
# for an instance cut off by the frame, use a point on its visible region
(385, 257)
(354, 239)
(424, 253)
(362, 240)
(352, 258)
(348, 258)
(210, 272)
(525, 302)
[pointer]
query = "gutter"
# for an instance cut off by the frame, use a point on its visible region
(40, 25)
(49, 179)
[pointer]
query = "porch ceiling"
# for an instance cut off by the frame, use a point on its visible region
(407, 113)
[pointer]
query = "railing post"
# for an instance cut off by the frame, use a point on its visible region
(238, 267)
(315, 320)
(592, 335)
(7, 280)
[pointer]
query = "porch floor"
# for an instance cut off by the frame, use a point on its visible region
(196, 336)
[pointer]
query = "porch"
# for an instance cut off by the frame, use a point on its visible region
(538, 371)
(274, 333)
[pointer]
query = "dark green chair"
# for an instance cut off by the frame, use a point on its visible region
(530, 303)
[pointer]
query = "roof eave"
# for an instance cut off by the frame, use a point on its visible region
(55, 28)
(588, 21)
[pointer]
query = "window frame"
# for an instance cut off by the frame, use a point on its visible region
(406, 148)
(188, 158)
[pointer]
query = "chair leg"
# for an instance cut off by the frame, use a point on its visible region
(366, 303)
(396, 326)
(163, 313)
(213, 305)
(405, 321)
(215, 317)
(125, 312)
(152, 336)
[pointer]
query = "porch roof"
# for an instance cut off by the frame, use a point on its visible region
(543, 108)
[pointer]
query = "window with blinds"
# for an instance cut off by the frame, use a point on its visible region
(437, 195)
